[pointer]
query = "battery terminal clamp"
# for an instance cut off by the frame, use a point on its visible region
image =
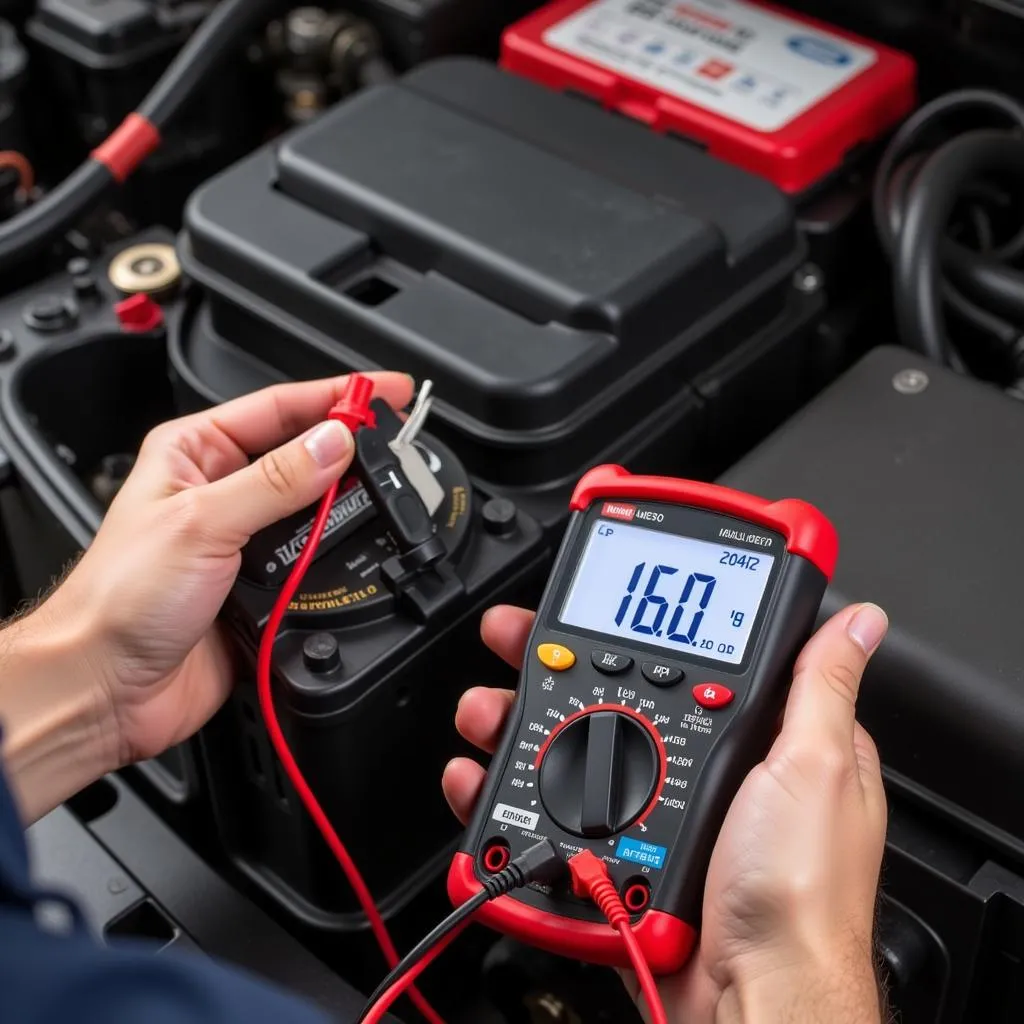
(405, 494)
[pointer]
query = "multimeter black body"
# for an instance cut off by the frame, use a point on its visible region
(655, 674)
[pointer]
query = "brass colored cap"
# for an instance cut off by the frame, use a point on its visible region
(150, 269)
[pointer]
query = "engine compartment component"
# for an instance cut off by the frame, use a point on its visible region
(573, 255)
(102, 59)
(886, 484)
(362, 648)
(788, 99)
(319, 56)
(415, 31)
(535, 279)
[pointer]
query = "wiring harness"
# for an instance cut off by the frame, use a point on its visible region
(948, 211)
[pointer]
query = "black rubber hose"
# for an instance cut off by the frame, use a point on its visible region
(918, 257)
(913, 132)
(26, 234)
(917, 193)
(39, 224)
(224, 28)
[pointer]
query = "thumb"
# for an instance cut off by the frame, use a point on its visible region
(826, 682)
(281, 482)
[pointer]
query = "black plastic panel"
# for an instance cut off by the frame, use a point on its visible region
(924, 490)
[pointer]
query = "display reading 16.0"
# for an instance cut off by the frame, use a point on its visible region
(668, 590)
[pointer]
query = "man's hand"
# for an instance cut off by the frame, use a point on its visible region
(789, 903)
(130, 632)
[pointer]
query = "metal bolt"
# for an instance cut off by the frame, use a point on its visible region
(910, 382)
(809, 279)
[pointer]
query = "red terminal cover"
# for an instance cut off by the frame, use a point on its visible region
(808, 533)
(783, 96)
(139, 314)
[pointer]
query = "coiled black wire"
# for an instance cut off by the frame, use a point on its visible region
(936, 210)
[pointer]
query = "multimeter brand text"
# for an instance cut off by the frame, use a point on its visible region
(746, 538)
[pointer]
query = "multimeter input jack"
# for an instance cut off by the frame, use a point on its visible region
(636, 895)
(496, 856)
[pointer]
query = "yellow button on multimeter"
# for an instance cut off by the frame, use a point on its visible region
(556, 657)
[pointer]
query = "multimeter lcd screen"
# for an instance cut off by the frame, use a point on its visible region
(689, 595)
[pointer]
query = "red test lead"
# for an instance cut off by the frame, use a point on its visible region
(590, 880)
(353, 409)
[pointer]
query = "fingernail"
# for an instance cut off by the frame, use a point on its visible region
(329, 443)
(868, 627)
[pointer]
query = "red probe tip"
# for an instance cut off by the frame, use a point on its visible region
(353, 408)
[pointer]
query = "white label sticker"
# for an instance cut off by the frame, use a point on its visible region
(752, 66)
(515, 816)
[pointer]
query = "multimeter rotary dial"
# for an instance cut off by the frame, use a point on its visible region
(599, 772)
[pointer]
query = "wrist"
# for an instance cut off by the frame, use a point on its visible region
(59, 725)
(840, 986)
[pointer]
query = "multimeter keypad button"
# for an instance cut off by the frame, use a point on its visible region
(611, 664)
(712, 695)
(556, 657)
(662, 675)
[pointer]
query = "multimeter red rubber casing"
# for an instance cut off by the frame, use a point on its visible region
(635, 748)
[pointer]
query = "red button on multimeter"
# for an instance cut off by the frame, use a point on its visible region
(712, 695)
(698, 580)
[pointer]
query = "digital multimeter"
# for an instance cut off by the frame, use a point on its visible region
(656, 671)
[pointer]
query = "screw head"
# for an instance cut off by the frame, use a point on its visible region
(320, 653)
(910, 382)
(809, 280)
(499, 516)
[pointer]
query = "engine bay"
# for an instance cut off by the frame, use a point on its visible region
(781, 249)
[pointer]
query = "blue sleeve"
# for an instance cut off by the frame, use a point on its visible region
(47, 978)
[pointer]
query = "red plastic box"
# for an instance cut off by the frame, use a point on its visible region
(781, 95)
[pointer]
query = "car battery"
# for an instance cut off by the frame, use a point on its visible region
(916, 466)
(367, 677)
(579, 288)
(780, 95)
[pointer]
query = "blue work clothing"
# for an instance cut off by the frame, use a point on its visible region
(70, 978)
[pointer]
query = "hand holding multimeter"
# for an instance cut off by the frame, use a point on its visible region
(654, 676)
(788, 812)
(797, 860)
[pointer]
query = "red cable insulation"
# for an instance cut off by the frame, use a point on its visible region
(294, 773)
(400, 985)
(127, 146)
(20, 163)
(648, 986)
(591, 879)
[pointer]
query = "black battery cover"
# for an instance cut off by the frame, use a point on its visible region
(919, 469)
